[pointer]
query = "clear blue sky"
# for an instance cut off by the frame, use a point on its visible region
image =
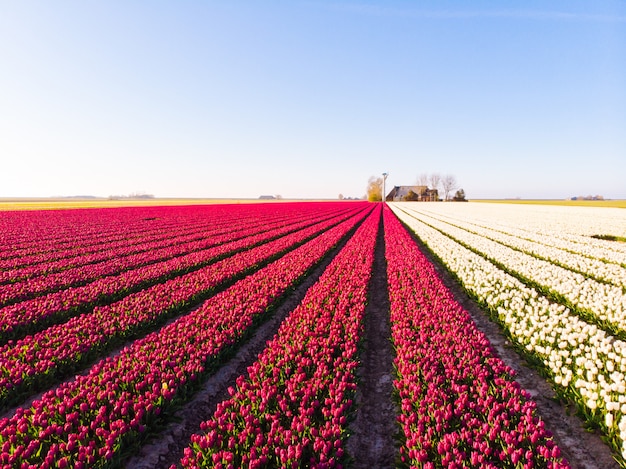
(309, 99)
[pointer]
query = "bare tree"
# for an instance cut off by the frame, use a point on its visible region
(435, 181)
(448, 184)
(375, 189)
(422, 179)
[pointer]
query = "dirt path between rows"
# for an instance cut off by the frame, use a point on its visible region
(168, 446)
(371, 444)
(582, 449)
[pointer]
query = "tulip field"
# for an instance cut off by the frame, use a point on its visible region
(113, 320)
(556, 289)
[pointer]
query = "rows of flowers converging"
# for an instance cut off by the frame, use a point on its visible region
(566, 228)
(119, 260)
(89, 421)
(598, 302)
(80, 275)
(73, 256)
(593, 267)
(36, 359)
(63, 234)
(459, 403)
(152, 246)
(291, 410)
(21, 234)
(28, 313)
(111, 258)
(586, 364)
(157, 226)
(26, 316)
(576, 224)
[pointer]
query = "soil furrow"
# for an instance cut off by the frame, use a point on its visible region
(583, 449)
(372, 441)
(167, 447)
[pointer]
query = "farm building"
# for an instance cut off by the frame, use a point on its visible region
(421, 193)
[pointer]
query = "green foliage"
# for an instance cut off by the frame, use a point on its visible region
(459, 196)
(606, 237)
(411, 197)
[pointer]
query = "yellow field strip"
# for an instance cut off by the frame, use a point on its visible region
(58, 204)
(585, 203)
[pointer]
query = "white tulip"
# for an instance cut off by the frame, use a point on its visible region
(579, 353)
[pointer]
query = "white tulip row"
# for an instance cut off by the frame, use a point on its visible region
(585, 362)
(595, 268)
(567, 228)
(605, 302)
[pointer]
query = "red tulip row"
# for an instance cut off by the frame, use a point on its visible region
(64, 260)
(169, 223)
(32, 234)
(103, 265)
(82, 230)
(459, 404)
(186, 230)
(90, 420)
(291, 410)
(34, 360)
(31, 315)
(129, 258)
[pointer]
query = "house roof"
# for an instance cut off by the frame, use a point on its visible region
(402, 191)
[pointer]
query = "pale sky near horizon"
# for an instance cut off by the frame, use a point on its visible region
(308, 99)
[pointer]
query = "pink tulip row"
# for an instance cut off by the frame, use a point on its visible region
(122, 261)
(39, 233)
(103, 266)
(165, 223)
(291, 410)
(459, 404)
(89, 421)
(32, 314)
(48, 232)
(64, 347)
(61, 261)
(186, 231)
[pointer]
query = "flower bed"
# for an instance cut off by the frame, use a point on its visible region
(34, 361)
(91, 419)
(459, 403)
(577, 257)
(584, 363)
(33, 315)
(602, 304)
(291, 410)
(112, 259)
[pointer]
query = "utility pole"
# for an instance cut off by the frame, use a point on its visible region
(384, 179)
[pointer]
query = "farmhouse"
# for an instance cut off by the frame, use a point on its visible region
(417, 193)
